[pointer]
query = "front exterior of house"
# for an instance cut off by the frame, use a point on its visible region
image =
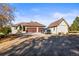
(59, 27)
(30, 27)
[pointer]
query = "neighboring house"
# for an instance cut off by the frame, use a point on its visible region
(29, 27)
(59, 27)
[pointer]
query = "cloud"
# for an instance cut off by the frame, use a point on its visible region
(58, 14)
(21, 17)
(70, 16)
(47, 18)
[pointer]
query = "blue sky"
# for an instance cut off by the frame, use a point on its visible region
(45, 13)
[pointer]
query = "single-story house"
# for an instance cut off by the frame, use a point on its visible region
(29, 27)
(59, 27)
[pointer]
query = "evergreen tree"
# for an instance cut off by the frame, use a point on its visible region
(75, 25)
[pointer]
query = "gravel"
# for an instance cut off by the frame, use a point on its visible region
(53, 46)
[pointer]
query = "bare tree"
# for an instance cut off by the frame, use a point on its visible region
(6, 14)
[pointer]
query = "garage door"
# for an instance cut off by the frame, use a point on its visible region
(31, 29)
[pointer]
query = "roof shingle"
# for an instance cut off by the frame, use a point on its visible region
(56, 23)
(31, 24)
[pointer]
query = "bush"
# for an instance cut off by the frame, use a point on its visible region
(73, 31)
(5, 30)
(2, 35)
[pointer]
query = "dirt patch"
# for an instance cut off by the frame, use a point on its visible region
(67, 45)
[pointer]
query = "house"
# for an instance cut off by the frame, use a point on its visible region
(30, 27)
(59, 27)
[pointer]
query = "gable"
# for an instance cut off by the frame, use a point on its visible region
(63, 23)
(57, 23)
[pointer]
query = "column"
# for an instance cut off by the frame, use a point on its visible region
(37, 29)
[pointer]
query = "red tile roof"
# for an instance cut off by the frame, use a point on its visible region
(31, 24)
(56, 23)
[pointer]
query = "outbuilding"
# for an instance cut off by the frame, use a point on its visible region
(59, 27)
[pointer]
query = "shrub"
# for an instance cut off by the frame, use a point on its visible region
(5, 30)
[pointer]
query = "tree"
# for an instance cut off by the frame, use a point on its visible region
(5, 30)
(6, 15)
(75, 25)
(2, 20)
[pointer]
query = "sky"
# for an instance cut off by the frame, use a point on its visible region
(45, 13)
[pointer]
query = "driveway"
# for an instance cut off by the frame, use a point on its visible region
(12, 42)
(42, 45)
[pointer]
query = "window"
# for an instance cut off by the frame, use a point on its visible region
(54, 28)
(23, 28)
(20, 27)
(16, 27)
